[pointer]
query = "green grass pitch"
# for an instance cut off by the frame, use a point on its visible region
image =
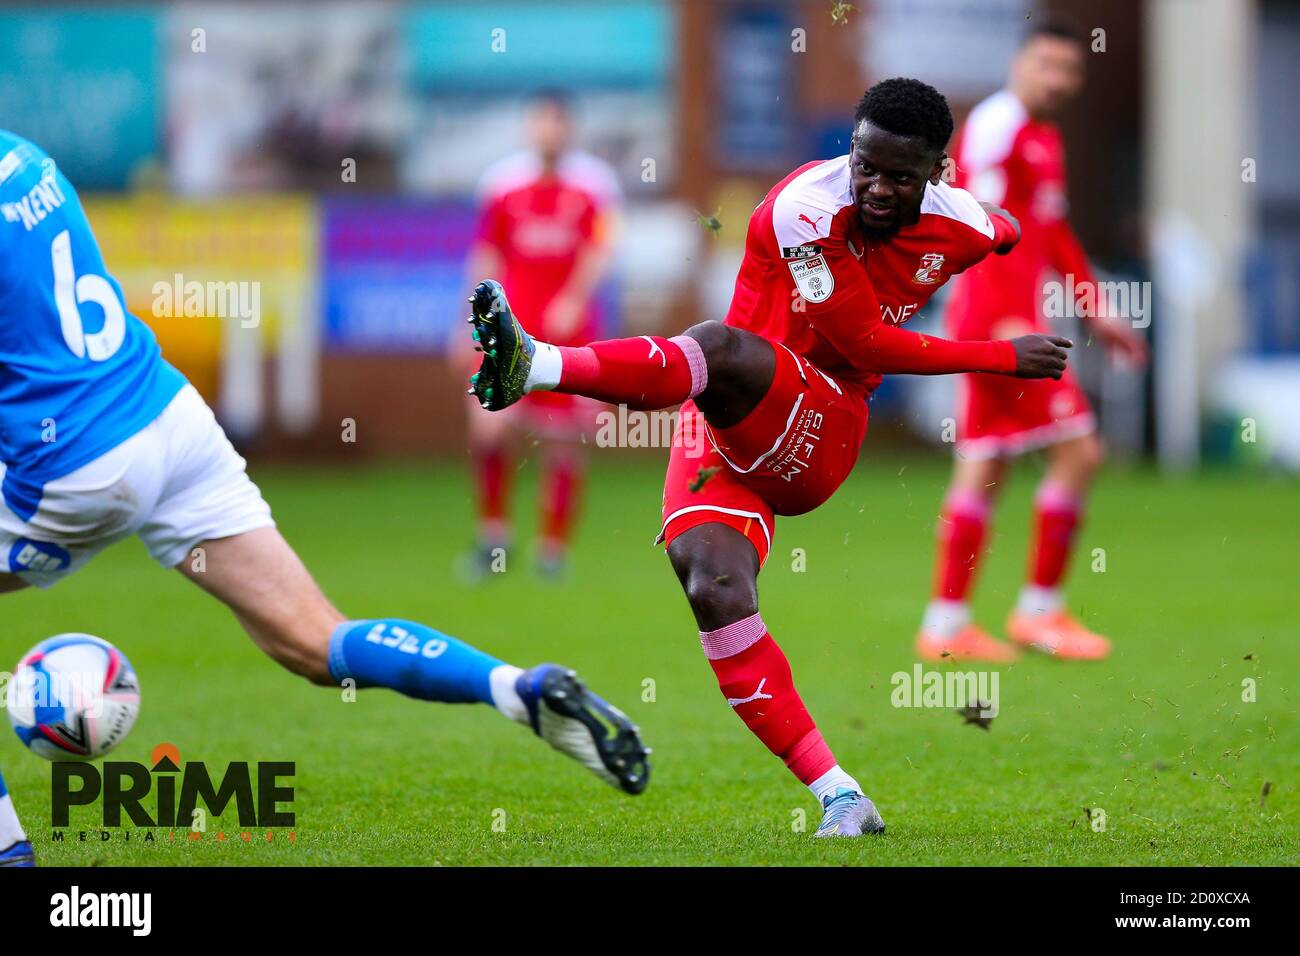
(1198, 592)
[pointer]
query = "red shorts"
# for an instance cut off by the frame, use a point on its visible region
(1001, 416)
(785, 457)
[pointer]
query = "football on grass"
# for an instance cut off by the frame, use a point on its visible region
(73, 697)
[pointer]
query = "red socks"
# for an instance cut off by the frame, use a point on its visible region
(1056, 519)
(755, 678)
(562, 485)
(961, 531)
(645, 372)
(490, 483)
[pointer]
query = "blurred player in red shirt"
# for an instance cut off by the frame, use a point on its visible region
(545, 227)
(837, 256)
(1010, 152)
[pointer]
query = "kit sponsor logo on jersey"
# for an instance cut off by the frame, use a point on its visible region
(897, 314)
(813, 278)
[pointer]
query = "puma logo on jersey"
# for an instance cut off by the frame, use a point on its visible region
(654, 347)
(811, 222)
(757, 695)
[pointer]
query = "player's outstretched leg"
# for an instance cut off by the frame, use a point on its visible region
(260, 578)
(1040, 620)
(727, 371)
(420, 662)
(15, 848)
(718, 569)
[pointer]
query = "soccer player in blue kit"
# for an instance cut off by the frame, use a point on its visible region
(101, 439)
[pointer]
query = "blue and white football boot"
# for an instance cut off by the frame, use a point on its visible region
(576, 722)
(20, 854)
(849, 813)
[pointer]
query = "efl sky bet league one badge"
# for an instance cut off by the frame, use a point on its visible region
(813, 278)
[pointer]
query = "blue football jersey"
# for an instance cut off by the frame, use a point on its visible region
(78, 373)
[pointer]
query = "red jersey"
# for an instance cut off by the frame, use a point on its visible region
(540, 223)
(1006, 157)
(811, 281)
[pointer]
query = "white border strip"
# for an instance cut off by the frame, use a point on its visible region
(767, 534)
(1017, 443)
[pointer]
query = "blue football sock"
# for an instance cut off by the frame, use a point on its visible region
(412, 659)
(3, 790)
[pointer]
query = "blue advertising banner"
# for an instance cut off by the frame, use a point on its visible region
(84, 85)
(754, 85)
(393, 273)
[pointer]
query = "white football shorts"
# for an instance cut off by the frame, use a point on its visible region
(175, 483)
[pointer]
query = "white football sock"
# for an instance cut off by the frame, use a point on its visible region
(943, 619)
(11, 831)
(1036, 600)
(827, 783)
(504, 696)
(545, 372)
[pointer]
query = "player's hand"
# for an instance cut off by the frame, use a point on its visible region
(564, 316)
(1121, 342)
(1040, 356)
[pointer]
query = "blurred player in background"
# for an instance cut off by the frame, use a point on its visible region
(837, 256)
(102, 439)
(546, 226)
(1010, 152)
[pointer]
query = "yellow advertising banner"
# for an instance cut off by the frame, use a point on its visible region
(224, 283)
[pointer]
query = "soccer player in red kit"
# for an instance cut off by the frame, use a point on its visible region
(1009, 152)
(545, 227)
(837, 254)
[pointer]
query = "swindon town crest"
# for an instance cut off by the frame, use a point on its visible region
(929, 273)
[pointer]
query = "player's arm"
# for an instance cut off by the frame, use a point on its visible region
(1068, 258)
(1006, 228)
(849, 317)
(591, 266)
(485, 255)
(856, 330)
(484, 259)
